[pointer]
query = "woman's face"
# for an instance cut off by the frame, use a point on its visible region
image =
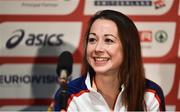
(104, 49)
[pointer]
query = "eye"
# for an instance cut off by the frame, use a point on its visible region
(91, 40)
(108, 41)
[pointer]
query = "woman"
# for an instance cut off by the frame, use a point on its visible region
(113, 77)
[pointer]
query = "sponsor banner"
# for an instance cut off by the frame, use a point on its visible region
(159, 73)
(170, 108)
(16, 108)
(179, 91)
(156, 37)
(179, 49)
(30, 80)
(179, 9)
(38, 38)
(40, 7)
(129, 7)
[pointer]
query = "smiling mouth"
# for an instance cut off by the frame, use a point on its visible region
(101, 59)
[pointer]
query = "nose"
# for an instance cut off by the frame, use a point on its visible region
(99, 47)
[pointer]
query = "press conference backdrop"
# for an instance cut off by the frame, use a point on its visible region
(34, 32)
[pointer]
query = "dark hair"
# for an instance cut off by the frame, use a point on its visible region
(131, 72)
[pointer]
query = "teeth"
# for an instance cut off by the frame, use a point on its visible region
(101, 59)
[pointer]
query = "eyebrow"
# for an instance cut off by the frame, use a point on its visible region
(111, 35)
(92, 33)
(105, 35)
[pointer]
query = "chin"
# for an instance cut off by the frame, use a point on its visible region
(100, 71)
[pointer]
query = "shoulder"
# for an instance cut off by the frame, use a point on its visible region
(78, 80)
(77, 85)
(154, 88)
(154, 93)
(74, 87)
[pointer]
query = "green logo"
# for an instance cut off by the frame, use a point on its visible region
(161, 36)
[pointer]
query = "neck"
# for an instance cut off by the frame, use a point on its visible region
(108, 87)
(107, 82)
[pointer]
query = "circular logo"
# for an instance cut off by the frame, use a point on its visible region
(161, 36)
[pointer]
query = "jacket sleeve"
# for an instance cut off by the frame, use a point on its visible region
(154, 97)
(155, 100)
